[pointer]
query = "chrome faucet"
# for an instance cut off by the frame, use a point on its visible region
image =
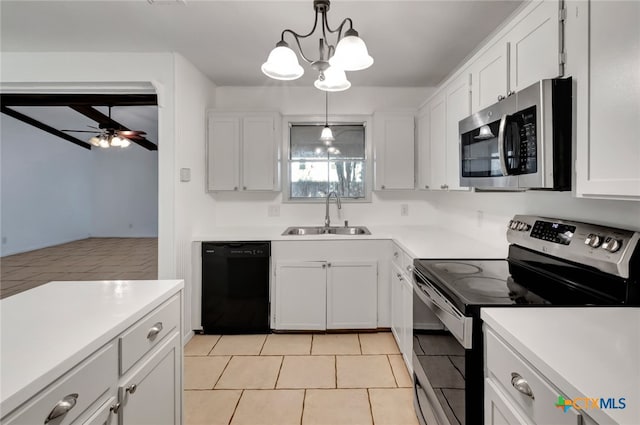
(327, 219)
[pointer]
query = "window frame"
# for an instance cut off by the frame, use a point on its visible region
(289, 120)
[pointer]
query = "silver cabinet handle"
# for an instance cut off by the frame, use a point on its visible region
(521, 384)
(396, 254)
(500, 97)
(131, 388)
(426, 186)
(441, 186)
(244, 187)
(510, 92)
(155, 330)
(383, 187)
(410, 268)
(115, 408)
(62, 407)
(324, 266)
(328, 264)
(235, 187)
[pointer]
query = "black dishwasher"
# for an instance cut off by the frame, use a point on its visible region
(235, 287)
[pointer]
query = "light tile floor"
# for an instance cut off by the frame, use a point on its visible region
(86, 259)
(297, 379)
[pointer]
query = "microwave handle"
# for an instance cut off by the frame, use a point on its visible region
(502, 145)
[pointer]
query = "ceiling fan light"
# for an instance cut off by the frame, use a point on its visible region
(95, 141)
(115, 141)
(327, 135)
(282, 63)
(334, 79)
(103, 143)
(125, 143)
(351, 53)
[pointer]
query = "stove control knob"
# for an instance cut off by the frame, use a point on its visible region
(522, 226)
(514, 225)
(593, 240)
(612, 245)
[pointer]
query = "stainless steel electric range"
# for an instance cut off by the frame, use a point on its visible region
(551, 262)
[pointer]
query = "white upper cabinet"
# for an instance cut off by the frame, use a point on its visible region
(528, 52)
(394, 147)
(437, 142)
(243, 151)
(458, 108)
(603, 54)
(534, 46)
(489, 75)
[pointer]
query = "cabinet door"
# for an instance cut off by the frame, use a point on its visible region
(608, 150)
(498, 410)
(489, 76)
(301, 295)
(438, 142)
(352, 295)
(407, 322)
(394, 137)
(152, 393)
(458, 107)
(396, 306)
(424, 153)
(534, 45)
(259, 152)
(223, 153)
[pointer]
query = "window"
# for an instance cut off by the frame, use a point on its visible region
(315, 169)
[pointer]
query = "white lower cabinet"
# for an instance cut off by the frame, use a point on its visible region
(151, 394)
(402, 313)
(352, 295)
(319, 285)
(301, 298)
(516, 393)
(94, 392)
(319, 295)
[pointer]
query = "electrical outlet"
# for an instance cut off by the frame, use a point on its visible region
(185, 174)
(404, 209)
(273, 211)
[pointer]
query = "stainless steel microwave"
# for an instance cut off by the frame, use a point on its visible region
(522, 142)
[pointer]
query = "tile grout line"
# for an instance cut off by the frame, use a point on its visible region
(360, 344)
(370, 406)
(275, 384)
(264, 342)
(235, 409)
(214, 345)
(335, 370)
(222, 373)
(392, 371)
(304, 399)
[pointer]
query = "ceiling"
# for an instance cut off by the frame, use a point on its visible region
(414, 43)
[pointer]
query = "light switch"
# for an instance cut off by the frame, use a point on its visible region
(185, 174)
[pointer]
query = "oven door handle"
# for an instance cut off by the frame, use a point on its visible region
(502, 144)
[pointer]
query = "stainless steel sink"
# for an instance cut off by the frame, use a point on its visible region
(322, 230)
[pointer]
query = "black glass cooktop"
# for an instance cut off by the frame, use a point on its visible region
(477, 282)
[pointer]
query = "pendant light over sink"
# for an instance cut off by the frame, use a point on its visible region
(348, 54)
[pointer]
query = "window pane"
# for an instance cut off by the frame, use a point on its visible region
(347, 178)
(306, 144)
(308, 179)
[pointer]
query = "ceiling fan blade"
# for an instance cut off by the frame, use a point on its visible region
(81, 131)
(131, 133)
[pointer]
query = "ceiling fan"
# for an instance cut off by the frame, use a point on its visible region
(106, 135)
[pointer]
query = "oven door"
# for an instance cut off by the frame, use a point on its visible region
(439, 360)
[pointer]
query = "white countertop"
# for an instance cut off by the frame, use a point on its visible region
(586, 352)
(419, 241)
(47, 330)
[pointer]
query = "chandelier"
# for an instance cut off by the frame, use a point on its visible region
(348, 54)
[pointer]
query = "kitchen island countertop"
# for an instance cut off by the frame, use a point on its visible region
(47, 330)
(584, 351)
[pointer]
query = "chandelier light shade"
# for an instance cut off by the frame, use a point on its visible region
(348, 53)
(332, 79)
(282, 63)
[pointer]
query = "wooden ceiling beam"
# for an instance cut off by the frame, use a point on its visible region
(105, 121)
(32, 99)
(44, 127)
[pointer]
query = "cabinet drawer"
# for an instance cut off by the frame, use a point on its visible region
(84, 384)
(136, 341)
(503, 363)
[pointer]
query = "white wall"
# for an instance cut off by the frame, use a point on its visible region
(124, 192)
(237, 209)
(76, 72)
(46, 188)
(485, 215)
